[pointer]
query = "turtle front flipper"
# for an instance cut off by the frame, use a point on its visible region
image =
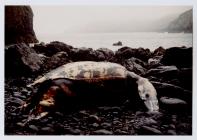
(42, 106)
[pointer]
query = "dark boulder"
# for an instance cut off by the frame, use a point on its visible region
(173, 104)
(55, 47)
(127, 52)
(158, 52)
(104, 54)
(165, 72)
(169, 90)
(185, 78)
(19, 25)
(83, 54)
(56, 60)
(119, 43)
(178, 56)
(21, 59)
(134, 65)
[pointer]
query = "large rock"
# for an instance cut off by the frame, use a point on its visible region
(84, 54)
(133, 65)
(104, 54)
(178, 56)
(166, 72)
(19, 25)
(127, 52)
(56, 60)
(173, 104)
(169, 90)
(52, 48)
(158, 52)
(21, 59)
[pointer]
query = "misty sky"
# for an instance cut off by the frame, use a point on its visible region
(67, 19)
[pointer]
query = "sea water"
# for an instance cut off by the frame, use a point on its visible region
(151, 40)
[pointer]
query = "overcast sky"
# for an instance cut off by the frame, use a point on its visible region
(65, 19)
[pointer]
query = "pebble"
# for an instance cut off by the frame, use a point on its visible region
(150, 131)
(47, 129)
(17, 101)
(171, 132)
(95, 125)
(93, 118)
(73, 131)
(33, 127)
(106, 125)
(120, 132)
(102, 132)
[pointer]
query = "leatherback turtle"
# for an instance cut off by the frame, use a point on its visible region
(86, 80)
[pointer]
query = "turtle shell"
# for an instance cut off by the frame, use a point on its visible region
(86, 70)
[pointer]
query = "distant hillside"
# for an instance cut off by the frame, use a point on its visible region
(183, 23)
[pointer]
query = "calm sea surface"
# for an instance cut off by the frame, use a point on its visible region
(151, 40)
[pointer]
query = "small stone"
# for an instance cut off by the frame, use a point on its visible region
(47, 129)
(83, 113)
(59, 114)
(95, 125)
(120, 132)
(116, 122)
(102, 132)
(150, 131)
(73, 131)
(33, 127)
(172, 126)
(20, 124)
(106, 125)
(94, 118)
(171, 132)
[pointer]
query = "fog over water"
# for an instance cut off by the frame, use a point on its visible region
(101, 26)
(63, 19)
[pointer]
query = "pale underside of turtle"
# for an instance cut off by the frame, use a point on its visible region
(92, 72)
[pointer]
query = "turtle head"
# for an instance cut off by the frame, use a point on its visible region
(148, 94)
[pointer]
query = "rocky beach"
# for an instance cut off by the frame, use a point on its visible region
(169, 70)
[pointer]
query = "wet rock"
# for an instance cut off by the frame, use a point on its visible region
(119, 43)
(96, 125)
(172, 101)
(127, 52)
(185, 78)
(178, 56)
(47, 130)
(73, 131)
(84, 54)
(33, 127)
(166, 72)
(173, 104)
(22, 59)
(56, 60)
(171, 132)
(158, 52)
(19, 25)
(131, 65)
(102, 132)
(55, 47)
(169, 90)
(104, 54)
(106, 125)
(146, 130)
(120, 132)
(93, 118)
